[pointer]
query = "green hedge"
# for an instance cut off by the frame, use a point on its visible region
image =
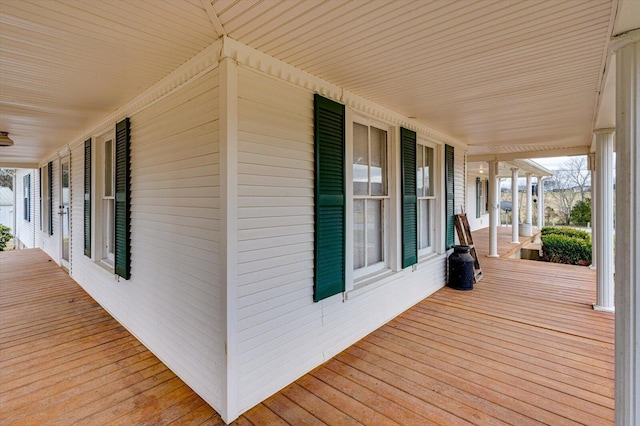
(565, 249)
(569, 232)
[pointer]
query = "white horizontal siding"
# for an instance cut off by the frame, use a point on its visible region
(174, 301)
(282, 333)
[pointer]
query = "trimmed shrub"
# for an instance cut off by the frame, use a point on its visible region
(568, 232)
(5, 236)
(560, 248)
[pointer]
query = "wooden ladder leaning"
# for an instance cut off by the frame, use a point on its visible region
(464, 235)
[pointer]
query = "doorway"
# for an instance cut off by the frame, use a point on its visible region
(65, 234)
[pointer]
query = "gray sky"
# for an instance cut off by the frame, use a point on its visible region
(552, 163)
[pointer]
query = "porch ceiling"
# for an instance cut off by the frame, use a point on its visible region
(503, 76)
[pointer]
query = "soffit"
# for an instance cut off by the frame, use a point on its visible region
(502, 76)
(64, 65)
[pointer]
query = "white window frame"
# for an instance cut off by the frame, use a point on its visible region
(434, 199)
(103, 226)
(354, 277)
(484, 196)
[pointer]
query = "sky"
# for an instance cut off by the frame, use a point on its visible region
(551, 163)
(555, 163)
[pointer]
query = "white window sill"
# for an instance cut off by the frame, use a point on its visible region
(426, 258)
(105, 266)
(370, 282)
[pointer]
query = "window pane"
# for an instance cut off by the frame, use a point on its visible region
(374, 232)
(420, 177)
(378, 162)
(360, 159)
(108, 232)
(428, 172)
(358, 234)
(108, 168)
(424, 216)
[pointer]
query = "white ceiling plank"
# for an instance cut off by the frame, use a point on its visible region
(503, 76)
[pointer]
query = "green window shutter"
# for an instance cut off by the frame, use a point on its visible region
(486, 195)
(87, 197)
(330, 218)
(478, 199)
(50, 194)
(408, 140)
(123, 200)
(449, 180)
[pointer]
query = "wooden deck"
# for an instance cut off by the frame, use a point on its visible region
(65, 361)
(523, 348)
(505, 247)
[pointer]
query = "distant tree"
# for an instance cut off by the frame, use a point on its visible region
(571, 180)
(564, 197)
(6, 177)
(549, 213)
(581, 212)
(577, 175)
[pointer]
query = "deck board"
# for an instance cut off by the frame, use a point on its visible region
(524, 347)
(64, 360)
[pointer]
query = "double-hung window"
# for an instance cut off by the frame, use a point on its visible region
(370, 198)
(108, 239)
(26, 197)
(482, 203)
(426, 193)
(106, 199)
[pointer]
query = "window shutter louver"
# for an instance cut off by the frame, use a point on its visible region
(409, 198)
(50, 196)
(478, 198)
(330, 221)
(87, 197)
(450, 188)
(123, 200)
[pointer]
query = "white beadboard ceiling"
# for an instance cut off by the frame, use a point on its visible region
(504, 76)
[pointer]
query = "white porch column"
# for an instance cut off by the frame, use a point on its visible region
(494, 209)
(627, 294)
(529, 210)
(515, 211)
(540, 202)
(604, 214)
(594, 222)
(528, 231)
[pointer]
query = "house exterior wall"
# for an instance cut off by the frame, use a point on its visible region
(7, 208)
(282, 333)
(222, 227)
(471, 200)
(174, 300)
(6, 216)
